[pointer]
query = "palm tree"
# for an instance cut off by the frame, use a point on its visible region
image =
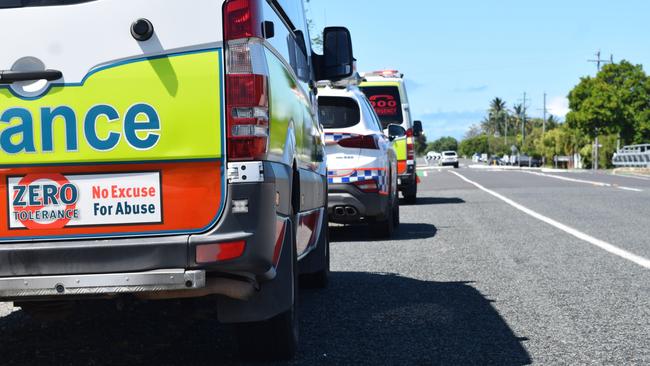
(552, 122)
(497, 105)
(518, 110)
(492, 124)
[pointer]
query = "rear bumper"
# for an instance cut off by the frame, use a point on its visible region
(406, 180)
(348, 196)
(106, 258)
(101, 284)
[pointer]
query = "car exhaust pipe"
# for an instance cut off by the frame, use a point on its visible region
(351, 211)
(339, 211)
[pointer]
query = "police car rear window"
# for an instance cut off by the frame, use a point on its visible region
(386, 102)
(26, 3)
(338, 112)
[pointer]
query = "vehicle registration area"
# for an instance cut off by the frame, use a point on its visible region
(54, 201)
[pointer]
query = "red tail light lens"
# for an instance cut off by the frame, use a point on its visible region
(410, 147)
(219, 252)
(242, 19)
(360, 142)
(368, 186)
(248, 116)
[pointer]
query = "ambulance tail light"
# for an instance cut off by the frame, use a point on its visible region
(360, 142)
(410, 145)
(247, 96)
(242, 19)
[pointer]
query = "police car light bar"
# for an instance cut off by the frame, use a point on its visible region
(353, 80)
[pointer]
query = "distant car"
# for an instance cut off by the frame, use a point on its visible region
(476, 158)
(525, 160)
(361, 160)
(449, 158)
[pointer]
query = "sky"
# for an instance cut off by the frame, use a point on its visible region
(458, 55)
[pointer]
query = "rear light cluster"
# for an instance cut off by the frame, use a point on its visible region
(242, 19)
(360, 142)
(209, 253)
(368, 186)
(410, 146)
(247, 95)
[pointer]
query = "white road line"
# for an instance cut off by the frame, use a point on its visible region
(630, 189)
(643, 262)
(633, 176)
(600, 184)
(433, 167)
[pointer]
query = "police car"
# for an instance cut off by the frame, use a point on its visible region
(165, 149)
(386, 91)
(361, 161)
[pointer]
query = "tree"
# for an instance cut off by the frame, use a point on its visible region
(499, 113)
(552, 122)
(443, 144)
(474, 145)
(421, 144)
(615, 102)
(473, 131)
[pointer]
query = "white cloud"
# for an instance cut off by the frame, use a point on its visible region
(558, 106)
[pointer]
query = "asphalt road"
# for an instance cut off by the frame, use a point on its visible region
(468, 279)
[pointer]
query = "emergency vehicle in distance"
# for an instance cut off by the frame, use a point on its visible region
(361, 161)
(161, 156)
(386, 91)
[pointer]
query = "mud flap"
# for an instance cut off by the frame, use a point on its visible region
(274, 297)
(316, 260)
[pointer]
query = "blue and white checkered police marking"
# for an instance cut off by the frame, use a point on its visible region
(360, 175)
(336, 137)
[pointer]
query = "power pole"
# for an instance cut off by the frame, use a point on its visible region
(544, 127)
(523, 121)
(524, 106)
(544, 114)
(595, 165)
(599, 61)
(505, 122)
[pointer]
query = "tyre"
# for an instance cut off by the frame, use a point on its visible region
(410, 193)
(456, 166)
(384, 227)
(275, 339)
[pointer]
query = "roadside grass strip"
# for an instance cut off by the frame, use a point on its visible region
(594, 183)
(643, 262)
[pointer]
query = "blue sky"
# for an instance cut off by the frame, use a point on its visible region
(458, 55)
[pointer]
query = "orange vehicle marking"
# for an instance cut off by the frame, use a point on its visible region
(191, 198)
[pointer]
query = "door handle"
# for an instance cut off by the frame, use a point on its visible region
(10, 76)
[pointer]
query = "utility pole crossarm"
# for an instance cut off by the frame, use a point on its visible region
(600, 61)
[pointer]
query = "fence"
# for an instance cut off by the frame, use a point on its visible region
(632, 156)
